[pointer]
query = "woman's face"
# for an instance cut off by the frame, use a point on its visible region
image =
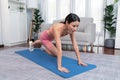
(72, 27)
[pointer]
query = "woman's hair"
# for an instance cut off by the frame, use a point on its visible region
(71, 18)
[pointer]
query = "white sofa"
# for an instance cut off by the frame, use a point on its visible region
(85, 35)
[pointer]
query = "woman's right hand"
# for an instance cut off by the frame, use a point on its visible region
(63, 69)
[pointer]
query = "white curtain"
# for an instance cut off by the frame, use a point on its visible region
(80, 7)
(51, 10)
(57, 9)
(97, 12)
(64, 8)
(43, 6)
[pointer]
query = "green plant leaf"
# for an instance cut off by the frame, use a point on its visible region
(37, 20)
(115, 1)
(109, 20)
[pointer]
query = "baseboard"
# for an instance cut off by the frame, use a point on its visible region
(16, 43)
(1, 46)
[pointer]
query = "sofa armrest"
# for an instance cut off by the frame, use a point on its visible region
(45, 26)
(91, 29)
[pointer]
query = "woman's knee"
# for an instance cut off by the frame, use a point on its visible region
(49, 52)
(52, 49)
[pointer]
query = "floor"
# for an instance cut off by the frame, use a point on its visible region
(96, 49)
(16, 67)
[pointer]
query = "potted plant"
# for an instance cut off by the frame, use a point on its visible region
(21, 8)
(36, 23)
(109, 25)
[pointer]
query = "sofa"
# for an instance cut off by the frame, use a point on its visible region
(85, 35)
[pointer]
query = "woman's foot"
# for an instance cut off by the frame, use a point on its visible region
(31, 48)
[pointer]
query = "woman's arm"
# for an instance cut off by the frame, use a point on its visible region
(75, 45)
(57, 35)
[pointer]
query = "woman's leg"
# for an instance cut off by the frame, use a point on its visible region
(37, 42)
(31, 44)
(50, 48)
(46, 50)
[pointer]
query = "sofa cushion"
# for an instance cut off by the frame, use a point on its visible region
(81, 27)
(84, 21)
(80, 36)
(60, 20)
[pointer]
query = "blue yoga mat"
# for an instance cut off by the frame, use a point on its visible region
(49, 62)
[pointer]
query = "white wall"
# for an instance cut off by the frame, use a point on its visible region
(0, 32)
(0, 26)
(4, 18)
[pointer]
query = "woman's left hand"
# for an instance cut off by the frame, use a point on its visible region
(82, 63)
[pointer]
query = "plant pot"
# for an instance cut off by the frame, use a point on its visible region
(21, 10)
(35, 36)
(109, 43)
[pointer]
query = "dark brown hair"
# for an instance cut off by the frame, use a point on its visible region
(71, 18)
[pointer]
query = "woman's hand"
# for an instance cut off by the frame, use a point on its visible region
(63, 69)
(82, 63)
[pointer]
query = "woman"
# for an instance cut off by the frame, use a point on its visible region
(55, 32)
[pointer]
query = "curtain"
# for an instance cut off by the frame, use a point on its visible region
(43, 9)
(51, 10)
(97, 12)
(80, 7)
(63, 8)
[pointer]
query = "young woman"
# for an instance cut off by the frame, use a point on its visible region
(55, 32)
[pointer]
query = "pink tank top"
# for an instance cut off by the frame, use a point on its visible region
(50, 32)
